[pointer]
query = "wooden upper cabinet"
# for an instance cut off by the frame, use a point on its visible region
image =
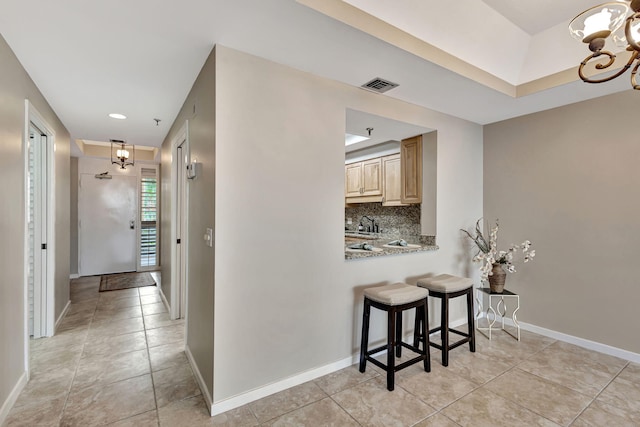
(363, 181)
(391, 181)
(353, 180)
(372, 177)
(411, 170)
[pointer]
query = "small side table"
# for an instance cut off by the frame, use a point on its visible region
(500, 310)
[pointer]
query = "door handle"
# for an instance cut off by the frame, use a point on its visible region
(132, 224)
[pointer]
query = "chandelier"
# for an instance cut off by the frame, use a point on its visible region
(618, 21)
(122, 154)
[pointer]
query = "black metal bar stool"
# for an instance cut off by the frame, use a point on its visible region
(445, 287)
(394, 299)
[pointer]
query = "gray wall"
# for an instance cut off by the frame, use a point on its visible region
(567, 179)
(199, 109)
(73, 215)
(15, 86)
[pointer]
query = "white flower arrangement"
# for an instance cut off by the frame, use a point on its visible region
(489, 255)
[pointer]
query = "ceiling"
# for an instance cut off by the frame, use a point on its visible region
(141, 58)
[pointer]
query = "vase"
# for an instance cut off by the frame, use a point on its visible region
(496, 280)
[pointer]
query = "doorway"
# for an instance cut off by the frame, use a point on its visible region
(179, 226)
(39, 226)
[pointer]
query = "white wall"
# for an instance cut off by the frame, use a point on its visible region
(286, 301)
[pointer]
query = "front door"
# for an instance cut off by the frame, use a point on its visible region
(107, 221)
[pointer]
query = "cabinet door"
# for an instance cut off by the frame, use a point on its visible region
(372, 177)
(391, 190)
(411, 169)
(353, 180)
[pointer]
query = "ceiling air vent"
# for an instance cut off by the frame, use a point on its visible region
(379, 85)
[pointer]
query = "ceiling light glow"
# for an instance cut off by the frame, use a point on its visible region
(117, 116)
(353, 139)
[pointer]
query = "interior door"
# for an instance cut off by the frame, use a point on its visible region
(107, 220)
(181, 229)
(37, 224)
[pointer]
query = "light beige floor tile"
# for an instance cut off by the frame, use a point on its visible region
(60, 358)
(188, 412)
(119, 294)
(156, 308)
(624, 390)
(437, 420)
(113, 345)
(175, 383)
(477, 367)
(103, 404)
(579, 369)
(238, 417)
(343, 379)
(148, 419)
(148, 290)
(42, 414)
(114, 304)
(62, 340)
(117, 313)
(45, 386)
(160, 320)
(485, 408)
(166, 335)
(600, 414)
(322, 413)
(449, 386)
(555, 402)
(82, 307)
(167, 356)
(150, 299)
(371, 404)
(504, 346)
(105, 369)
(285, 401)
(115, 327)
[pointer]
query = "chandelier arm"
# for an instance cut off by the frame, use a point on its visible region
(627, 31)
(612, 59)
(634, 74)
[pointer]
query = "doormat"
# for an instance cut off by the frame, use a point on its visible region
(114, 282)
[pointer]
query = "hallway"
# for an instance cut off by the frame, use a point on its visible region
(116, 358)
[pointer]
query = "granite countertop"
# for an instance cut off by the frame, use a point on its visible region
(379, 243)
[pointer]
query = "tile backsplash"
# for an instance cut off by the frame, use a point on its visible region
(393, 220)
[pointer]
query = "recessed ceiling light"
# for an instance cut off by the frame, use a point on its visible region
(117, 116)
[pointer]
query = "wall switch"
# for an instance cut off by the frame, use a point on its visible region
(349, 221)
(208, 237)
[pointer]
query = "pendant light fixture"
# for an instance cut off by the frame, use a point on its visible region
(618, 21)
(122, 154)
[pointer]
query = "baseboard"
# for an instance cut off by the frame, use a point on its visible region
(13, 396)
(269, 389)
(74, 276)
(200, 380)
(312, 374)
(164, 300)
(580, 342)
(64, 312)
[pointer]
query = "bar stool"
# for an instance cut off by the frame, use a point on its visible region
(445, 287)
(394, 299)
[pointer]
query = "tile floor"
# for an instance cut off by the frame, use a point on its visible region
(147, 381)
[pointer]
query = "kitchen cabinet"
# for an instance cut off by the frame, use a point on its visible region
(363, 181)
(391, 181)
(411, 170)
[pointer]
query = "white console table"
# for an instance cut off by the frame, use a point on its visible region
(497, 308)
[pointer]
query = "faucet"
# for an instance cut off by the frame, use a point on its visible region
(372, 228)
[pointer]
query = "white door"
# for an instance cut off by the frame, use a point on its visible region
(181, 228)
(37, 225)
(107, 221)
